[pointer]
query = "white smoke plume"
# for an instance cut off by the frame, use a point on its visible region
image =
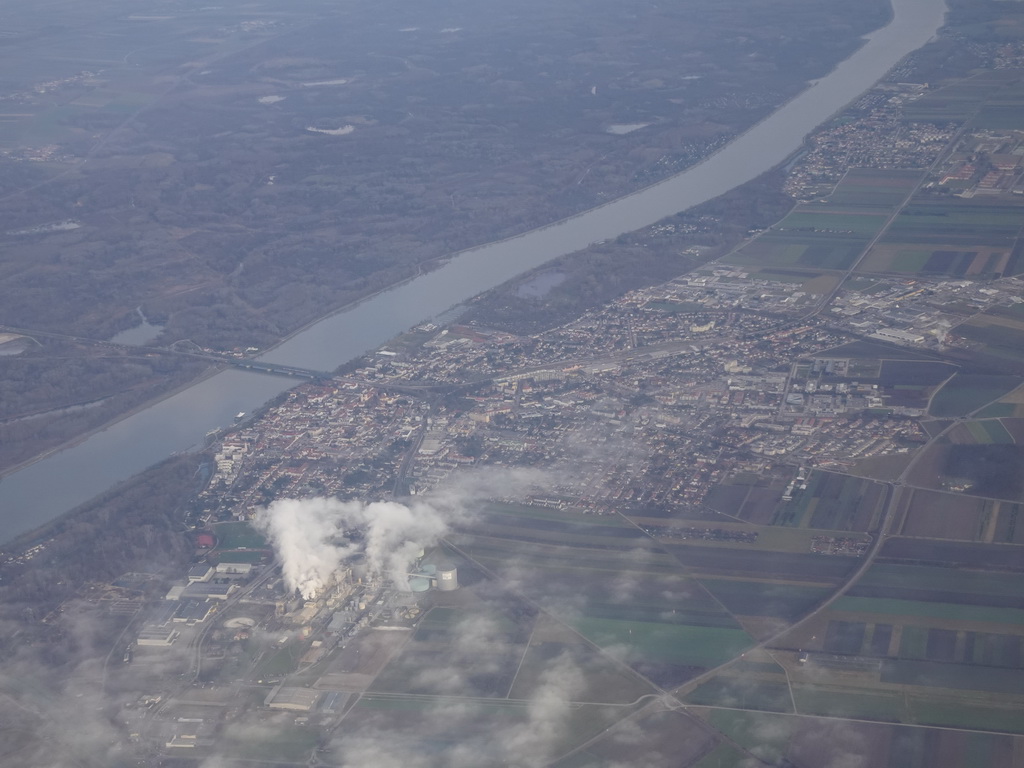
(307, 533)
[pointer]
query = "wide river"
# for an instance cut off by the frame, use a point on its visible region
(55, 485)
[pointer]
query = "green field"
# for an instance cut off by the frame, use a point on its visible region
(935, 610)
(767, 735)
(957, 101)
(498, 553)
(444, 722)
(286, 744)
(834, 701)
(1006, 116)
(959, 221)
(807, 219)
(899, 577)
(722, 756)
(999, 411)
(959, 238)
(546, 513)
(666, 643)
(238, 536)
(240, 557)
(914, 643)
(961, 677)
(764, 598)
(831, 502)
(960, 714)
(967, 392)
(725, 691)
(1001, 337)
(831, 234)
(989, 431)
(874, 188)
(606, 681)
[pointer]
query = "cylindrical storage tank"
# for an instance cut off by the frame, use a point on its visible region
(359, 567)
(447, 579)
(419, 584)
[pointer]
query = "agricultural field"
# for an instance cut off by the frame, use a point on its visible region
(961, 99)
(605, 680)
(766, 598)
(742, 692)
(813, 741)
(957, 613)
(995, 334)
(917, 660)
(461, 652)
(749, 497)
(934, 514)
(834, 502)
(954, 554)
(941, 584)
(271, 737)
(982, 261)
(1009, 407)
(908, 373)
(666, 653)
(884, 468)
(662, 738)
(487, 729)
(910, 692)
(565, 531)
(874, 188)
(955, 238)
(832, 234)
(966, 393)
(981, 432)
(663, 624)
(931, 635)
(993, 470)
(1004, 108)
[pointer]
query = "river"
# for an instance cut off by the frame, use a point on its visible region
(48, 488)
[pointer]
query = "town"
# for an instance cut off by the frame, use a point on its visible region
(707, 415)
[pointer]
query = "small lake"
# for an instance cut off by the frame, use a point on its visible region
(141, 334)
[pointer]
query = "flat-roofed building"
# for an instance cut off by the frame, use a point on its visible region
(175, 592)
(200, 572)
(294, 699)
(234, 569)
(191, 611)
(209, 590)
(156, 637)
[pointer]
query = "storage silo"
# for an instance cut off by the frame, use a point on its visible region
(360, 570)
(448, 578)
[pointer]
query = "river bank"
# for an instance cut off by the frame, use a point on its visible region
(179, 421)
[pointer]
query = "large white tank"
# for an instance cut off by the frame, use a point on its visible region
(447, 579)
(359, 567)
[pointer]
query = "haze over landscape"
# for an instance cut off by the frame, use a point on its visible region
(589, 384)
